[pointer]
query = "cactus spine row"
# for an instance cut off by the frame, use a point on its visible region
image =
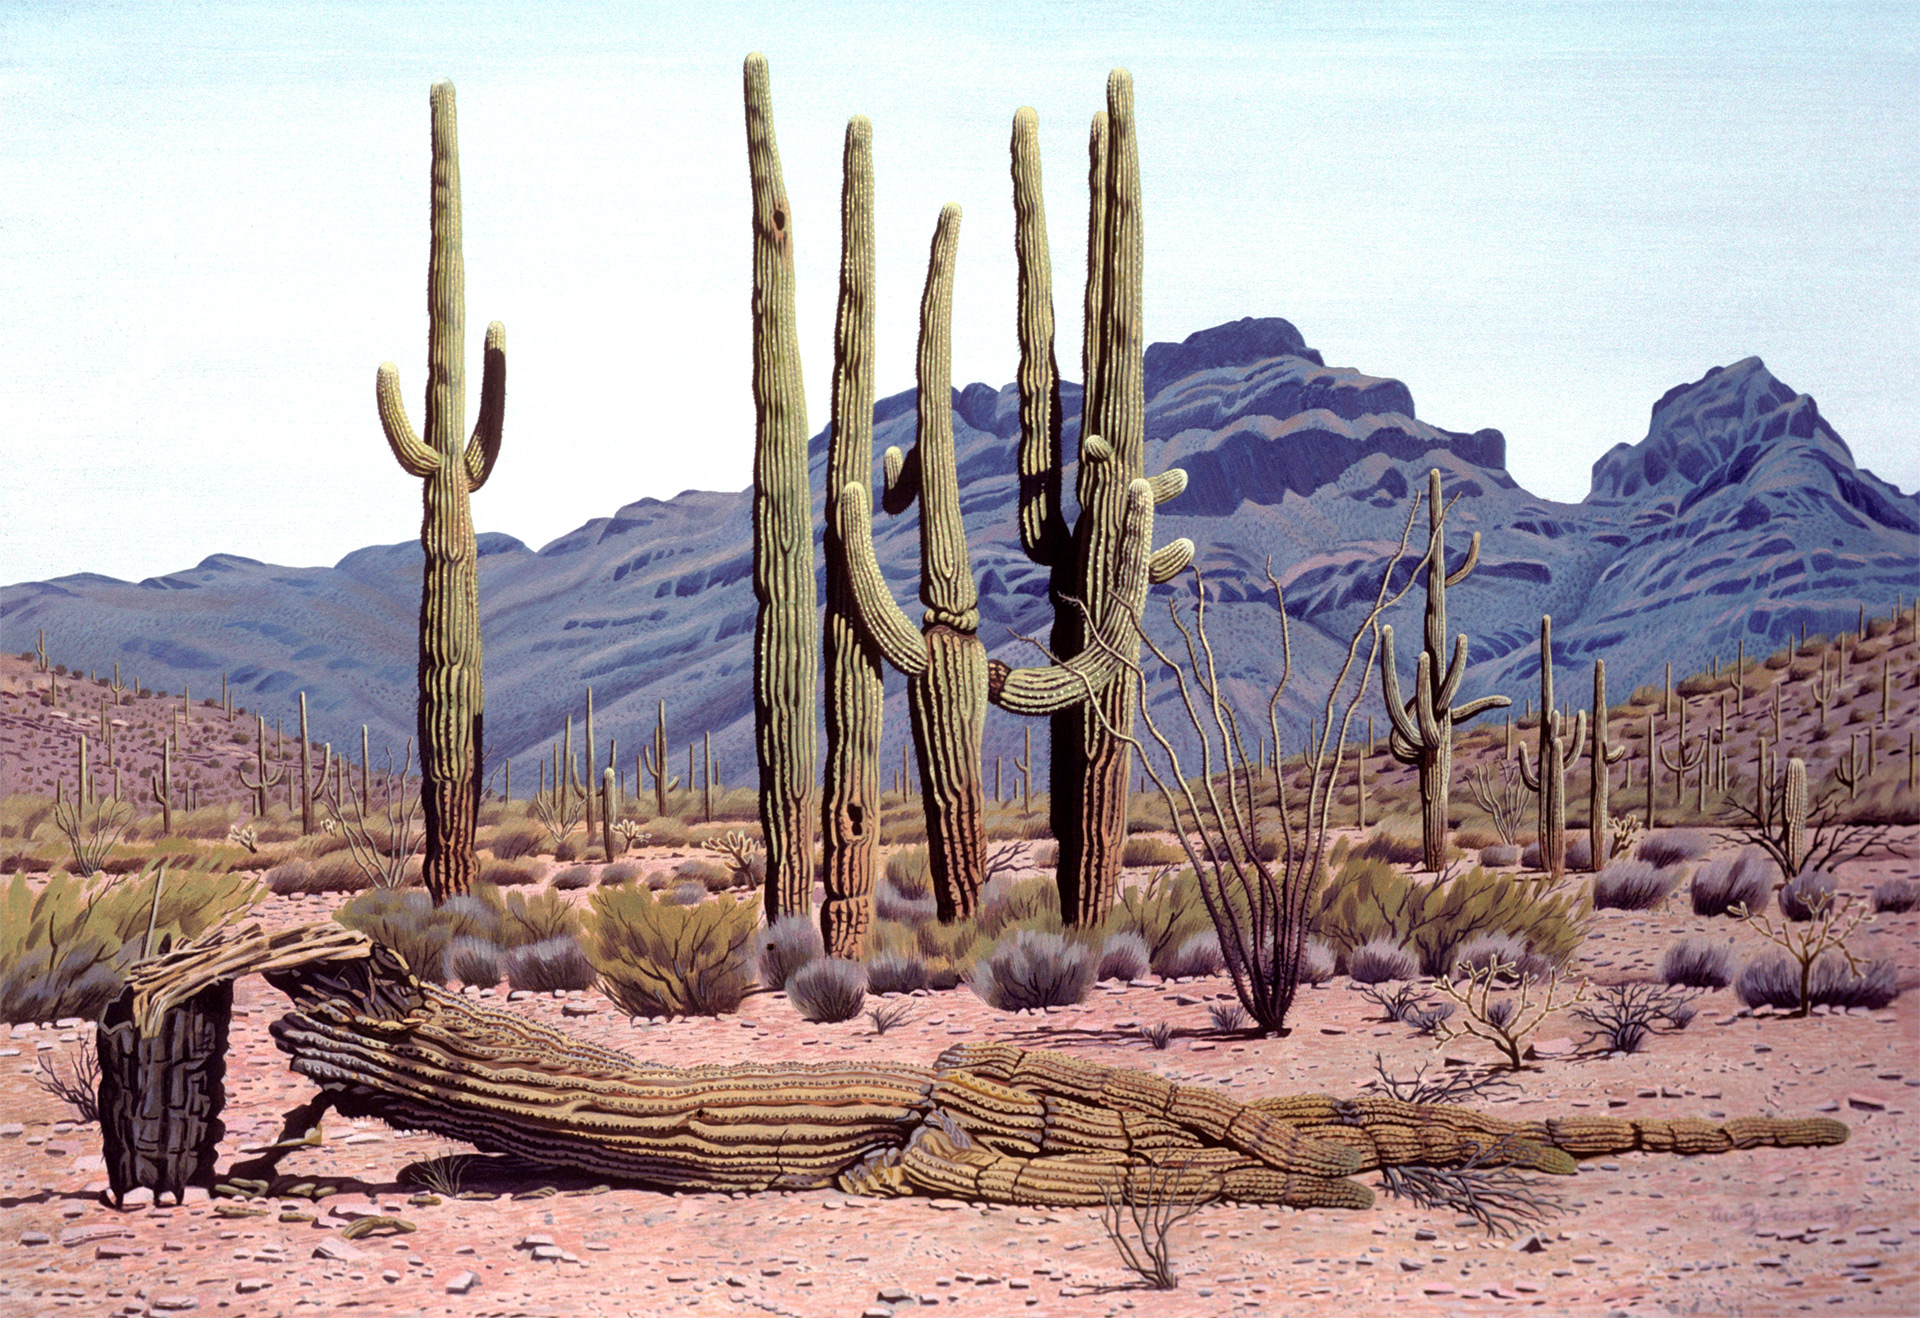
(1423, 726)
(452, 700)
(786, 642)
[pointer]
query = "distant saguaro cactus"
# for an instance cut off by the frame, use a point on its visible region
(1423, 726)
(1601, 755)
(1559, 749)
(452, 700)
(162, 784)
(1794, 814)
(264, 776)
(1088, 762)
(654, 759)
(786, 631)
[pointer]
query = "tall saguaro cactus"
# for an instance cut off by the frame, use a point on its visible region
(1602, 754)
(1423, 726)
(949, 677)
(654, 759)
(786, 642)
(264, 776)
(1560, 747)
(850, 796)
(452, 701)
(1090, 756)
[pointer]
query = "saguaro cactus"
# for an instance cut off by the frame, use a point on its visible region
(1601, 755)
(654, 759)
(1423, 726)
(1684, 760)
(1559, 750)
(452, 700)
(1088, 764)
(786, 642)
(162, 784)
(1793, 814)
(850, 796)
(264, 776)
(949, 678)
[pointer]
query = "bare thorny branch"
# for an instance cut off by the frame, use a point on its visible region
(381, 841)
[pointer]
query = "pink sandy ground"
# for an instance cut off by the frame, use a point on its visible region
(1763, 1231)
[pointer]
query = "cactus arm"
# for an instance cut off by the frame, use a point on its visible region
(484, 446)
(946, 573)
(1476, 707)
(1423, 711)
(1456, 670)
(1578, 745)
(1169, 560)
(1407, 735)
(1092, 341)
(1043, 530)
(1459, 574)
(880, 616)
(1527, 772)
(1615, 754)
(902, 472)
(1169, 484)
(415, 458)
(1059, 686)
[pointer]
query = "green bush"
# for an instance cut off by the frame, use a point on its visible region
(659, 959)
(1165, 912)
(407, 921)
(907, 873)
(1394, 840)
(1370, 899)
(1013, 904)
(1144, 849)
(65, 949)
(513, 841)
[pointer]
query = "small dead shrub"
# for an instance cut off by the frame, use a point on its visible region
(1896, 896)
(1143, 849)
(1673, 846)
(1720, 885)
(516, 840)
(1837, 985)
(510, 873)
(552, 963)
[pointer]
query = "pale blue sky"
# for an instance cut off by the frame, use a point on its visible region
(213, 227)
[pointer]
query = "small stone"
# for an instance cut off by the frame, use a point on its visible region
(251, 1285)
(534, 1242)
(390, 1276)
(547, 1253)
(893, 1294)
(1532, 1243)
(174, 1303)
(1437, 1288)
(31, 1238)
(12, 1130)
(519, 995)
(579, 1009)
(1411, 1265)
(1426, 1233)
(338, 1251)
(462, 1282)
(1865, 1103)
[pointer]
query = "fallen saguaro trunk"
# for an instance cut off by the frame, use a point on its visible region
(986, 1121)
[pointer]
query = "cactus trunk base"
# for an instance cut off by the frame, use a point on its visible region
(453, 810)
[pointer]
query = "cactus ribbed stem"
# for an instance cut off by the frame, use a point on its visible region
(452, 700)
(1794, 814)
(1601, 754)
(1560, 747)
(786, 642)
(306, 772)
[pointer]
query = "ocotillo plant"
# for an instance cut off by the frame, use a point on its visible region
(1602, 754)
(1560, 747)
(1423, 726)
(654, 759)
(786, 642)
(949, 678)
(452, 700)
(264, 776)
(1090, 748)
(850, 795)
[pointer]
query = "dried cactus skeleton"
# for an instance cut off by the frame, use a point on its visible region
(987, 1121)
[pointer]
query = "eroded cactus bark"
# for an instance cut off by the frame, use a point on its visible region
(452, 701)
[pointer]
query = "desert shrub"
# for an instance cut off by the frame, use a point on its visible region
(906, 873)
(895, 972)
(685, 894)
(1198, 955)
(1030, 968)
(1625, 1016)
(1009, 903)
(1165, 911)
(207, 824)
(1720, 885)
(1633, 885)
(509, 873)
(65, 949)
(828, 990)
(1396, 841)
(407, 921)
(566, 850)
(571, 879)
(889, 904)
(1316, 963)
(710, 875)
(1045, 853)
(1836, 984)
(1379, 960)
(515, 919)
(1697, 963)
(1673, 846)
(1369, 899)
(337, 872)
(1476, 836)
(1807, 894)
(659, 959)
(289, 877)
(786, 945)
(1124, 957)
(667, 831)
(622, 871)
(1896, 896)
(473, 961)
(1580, 852)
(513, 841)
(1482, 951)
(1769, 980)
(1144, 849)
(552, 963)
(1497, 856)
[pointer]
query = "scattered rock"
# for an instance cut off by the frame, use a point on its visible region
(31, 1238)
(251, 1285)
(338, 1251)
(1865, 1103)
(462, 1282)
(173, 1303)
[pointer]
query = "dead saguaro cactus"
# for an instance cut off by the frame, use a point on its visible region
(949, 677)
(1560, 747)
(850, 789)
(1088, 763)
(1423, 726)
(786, 629)
(452, 701)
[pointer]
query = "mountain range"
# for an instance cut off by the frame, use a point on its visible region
(1740, 516)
